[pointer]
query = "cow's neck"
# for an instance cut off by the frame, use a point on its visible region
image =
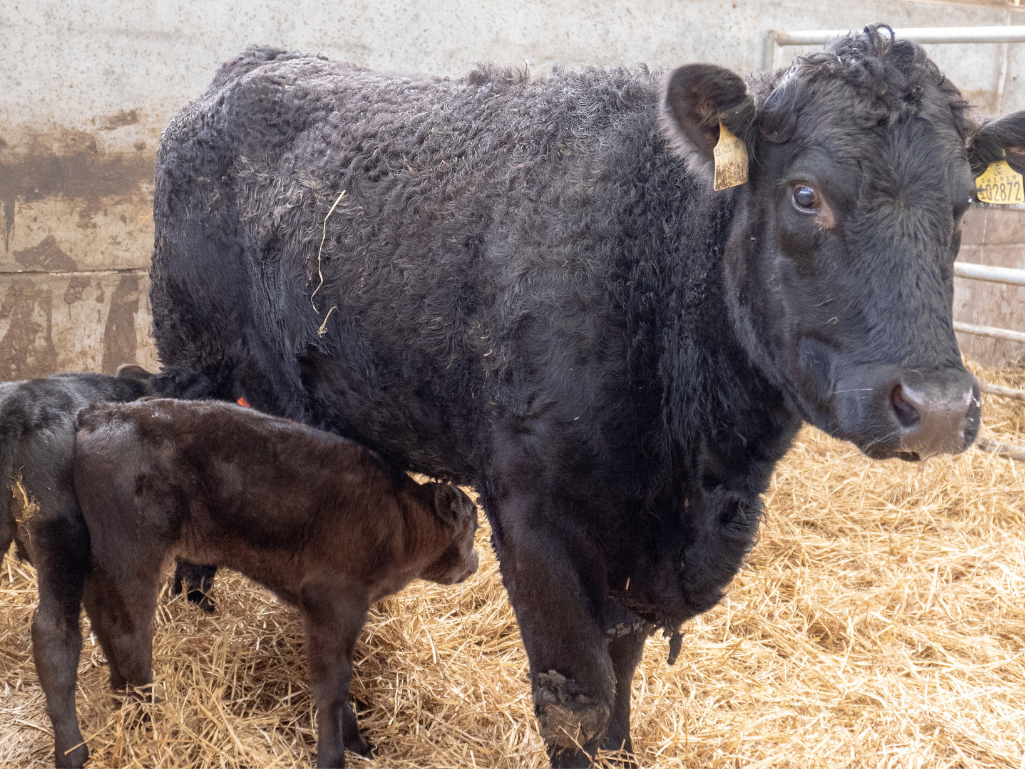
(715, 395)
(726, 425)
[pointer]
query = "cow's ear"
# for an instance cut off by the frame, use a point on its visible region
(996, 138)
(697, 98)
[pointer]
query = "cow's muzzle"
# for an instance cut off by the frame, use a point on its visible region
(890, 411)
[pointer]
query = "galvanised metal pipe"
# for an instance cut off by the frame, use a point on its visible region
(775, 38)
(993, 274)
(918, 34)
(1003, 392)
(995, 333)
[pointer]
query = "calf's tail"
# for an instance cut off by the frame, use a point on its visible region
(10, 431)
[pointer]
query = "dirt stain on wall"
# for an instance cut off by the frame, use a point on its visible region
(45, 257)
(69, 164)
(27, 349)
(119, 340)
(120, 120)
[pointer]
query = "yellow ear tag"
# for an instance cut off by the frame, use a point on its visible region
(730, 160)
(1000, 184)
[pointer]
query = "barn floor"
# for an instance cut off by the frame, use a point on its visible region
(880, 622)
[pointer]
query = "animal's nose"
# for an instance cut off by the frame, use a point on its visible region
(469, 567)
(936, 416)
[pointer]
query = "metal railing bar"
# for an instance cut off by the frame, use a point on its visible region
(994, 333)
(1003, 392)
(778, 38)
(1002, 449)
(1006, 275)
(918, 34)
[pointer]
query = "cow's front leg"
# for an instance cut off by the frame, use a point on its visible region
(555, 584)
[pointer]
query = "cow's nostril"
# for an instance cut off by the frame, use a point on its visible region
(907, 414)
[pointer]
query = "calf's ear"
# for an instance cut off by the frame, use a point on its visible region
(446, 502)
(996, 138)
(697, 98)
(451, 504)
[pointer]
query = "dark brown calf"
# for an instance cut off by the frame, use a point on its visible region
(318, 519)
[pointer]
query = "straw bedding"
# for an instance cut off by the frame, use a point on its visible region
(880, 622)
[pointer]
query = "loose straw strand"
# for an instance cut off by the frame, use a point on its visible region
(320, 251)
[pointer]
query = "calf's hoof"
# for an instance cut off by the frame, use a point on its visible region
(74, 758)
(571, 720)
(360, 745)
(615, 742)
(330, 760)
(201, 599)
(144, 695)
(195, 581)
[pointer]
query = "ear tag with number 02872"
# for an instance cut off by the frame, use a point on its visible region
(1000, 184)
(730, 160)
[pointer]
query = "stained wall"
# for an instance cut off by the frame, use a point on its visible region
(87, 86)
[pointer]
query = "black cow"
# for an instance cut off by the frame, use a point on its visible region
(530, 286)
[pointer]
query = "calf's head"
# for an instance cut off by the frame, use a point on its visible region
(838, 268)
(457, 515)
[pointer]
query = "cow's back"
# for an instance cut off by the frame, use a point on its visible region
(476, 265)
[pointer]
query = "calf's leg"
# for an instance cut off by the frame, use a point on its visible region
(548, 574)
(62, 563)
(333, 614)
(8, 528)
(195, 581)
(121, 604)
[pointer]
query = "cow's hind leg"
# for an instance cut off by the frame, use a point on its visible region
(626, 650)
(62, 563)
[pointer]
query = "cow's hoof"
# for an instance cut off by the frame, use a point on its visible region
(195, 596)
(621, 746)
(570, 719)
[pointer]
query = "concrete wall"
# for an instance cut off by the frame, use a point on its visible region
(88, 86)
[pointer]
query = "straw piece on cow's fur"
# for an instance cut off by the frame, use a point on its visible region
(24, 505)
(320, 271)
(879, 622)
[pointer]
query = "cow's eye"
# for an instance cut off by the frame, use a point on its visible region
(806, 199)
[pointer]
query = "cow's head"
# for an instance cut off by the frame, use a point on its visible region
(839, 264)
